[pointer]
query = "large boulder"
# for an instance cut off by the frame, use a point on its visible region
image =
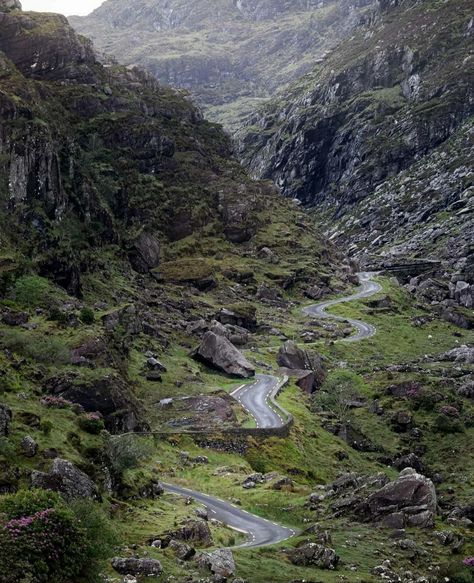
(145, 253)
(306, 366)
(139, 567)
(5, 420)
(235, 334)
(314, 555)
(194, 531)
(241, 315)
(219, 353)
(410, 500)
(220, 563)
(64, 477)
(462, 354)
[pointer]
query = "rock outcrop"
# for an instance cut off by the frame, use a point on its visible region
(196, 532)
(409, 500)
(379, 138)
(220, 563)
(306, 366)
(314, 555)
(9, 5)
(221, 354)
(64, 477)
(138, 567)
(109, 395)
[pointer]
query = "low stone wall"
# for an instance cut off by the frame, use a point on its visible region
(233, 437)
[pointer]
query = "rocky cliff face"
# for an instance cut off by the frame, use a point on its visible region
(96, 154)
(231, 55)
(115, 193)
(378, 136)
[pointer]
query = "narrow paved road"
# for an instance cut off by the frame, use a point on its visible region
(255, 399)
(363, 330)
(260, 531)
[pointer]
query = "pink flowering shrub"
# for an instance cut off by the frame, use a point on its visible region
(469, 562)
(53, 402)
(44, 540)
(46, 547)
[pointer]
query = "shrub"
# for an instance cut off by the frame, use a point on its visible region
(101, 538)
(41, 348)
(46, 427)
(91, 423)
(457, 571)
(28, 502)
(337, 392)
(7, 449)
(128, 451)
(53, 402)
(43, 540)
(31, 290)
(87, 316)
(447, 424)
(46, 547)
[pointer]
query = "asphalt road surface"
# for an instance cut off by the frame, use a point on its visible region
(260, 532)
(254, 399)
(363, 330)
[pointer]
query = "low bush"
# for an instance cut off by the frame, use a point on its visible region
(87, 316)
(91, 423)
(458, 570)
(448, 424)
(45, 349)
(128, 451)
(30, 291)
(43, 540)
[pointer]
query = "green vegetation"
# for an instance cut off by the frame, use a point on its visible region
(39, 347)
(43, 539)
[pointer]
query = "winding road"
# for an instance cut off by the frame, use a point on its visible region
(260, 532)
(256, 399)
(363, 330)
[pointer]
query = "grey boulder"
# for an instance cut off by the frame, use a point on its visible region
(312, 554)
(306, 366)
(410, 500)
(219, 353)
(140, 567)
(220, 562)
(64, 477)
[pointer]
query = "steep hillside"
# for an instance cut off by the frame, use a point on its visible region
(230, 54)
(144, 280)
(379, 137)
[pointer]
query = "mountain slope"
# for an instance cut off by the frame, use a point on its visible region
(116, 197)
(230, 54)
(378, 136)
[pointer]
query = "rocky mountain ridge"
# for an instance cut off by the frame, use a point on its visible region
(231, 55)
(378, 137)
